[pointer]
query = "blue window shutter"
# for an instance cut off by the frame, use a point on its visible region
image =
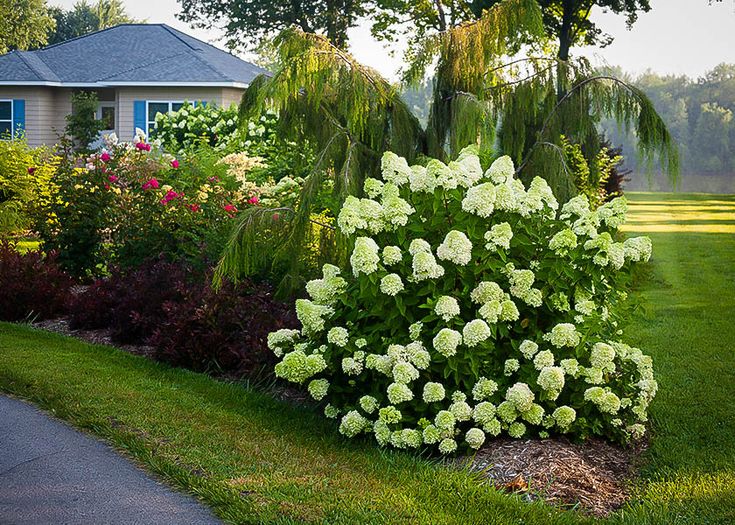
(139, 117)
(19, 116)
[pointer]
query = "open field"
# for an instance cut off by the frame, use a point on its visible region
(257, 460)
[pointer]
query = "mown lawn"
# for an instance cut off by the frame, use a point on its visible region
(257, 460)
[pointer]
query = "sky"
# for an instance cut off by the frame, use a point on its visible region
(675, 37)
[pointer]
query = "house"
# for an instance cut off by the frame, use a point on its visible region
(137, 71)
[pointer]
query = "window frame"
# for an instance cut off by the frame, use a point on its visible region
(12, 118)
(151, 124)
(107, 104)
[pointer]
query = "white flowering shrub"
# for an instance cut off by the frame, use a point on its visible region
(473, 307)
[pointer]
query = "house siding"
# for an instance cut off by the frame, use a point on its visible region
(231, 96)
(127, 96)
(45, 109)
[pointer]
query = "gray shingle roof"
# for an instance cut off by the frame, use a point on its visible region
(128, 53)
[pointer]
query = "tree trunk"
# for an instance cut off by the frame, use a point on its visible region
(565, 43)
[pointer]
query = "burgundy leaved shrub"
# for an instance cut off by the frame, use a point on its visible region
(131, 302)
(32, 285)
(93, 308)
(225, 330)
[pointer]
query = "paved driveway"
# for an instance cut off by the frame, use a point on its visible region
(53, 474)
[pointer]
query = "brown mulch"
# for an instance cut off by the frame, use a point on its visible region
(593, 476)
(97, 337)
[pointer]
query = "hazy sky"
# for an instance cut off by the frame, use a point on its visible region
(677, 36)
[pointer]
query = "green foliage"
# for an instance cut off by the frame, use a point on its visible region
(196, 124)
(24, 24)
(73, 222)
(181, 213)
(256, 21)
(590, 179)
(84, 18)
(566, 23)
(25, 183)
(351, 115)
(527, 104)
(472, 307)
(82, 124)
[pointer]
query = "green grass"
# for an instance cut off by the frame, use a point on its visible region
(257, 460)
(690, 332)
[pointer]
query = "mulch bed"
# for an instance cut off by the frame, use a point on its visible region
(593, 476)
(98, 337)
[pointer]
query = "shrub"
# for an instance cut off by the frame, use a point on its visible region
(193, 126)
(82, 125)
(25, 183)
(73, 223)
(130, 302)
(600, 180)
(223, 330)
(182, 208)
(32, 284)
(473, 307)
(132, 201)
(176, 311)
(196, 124)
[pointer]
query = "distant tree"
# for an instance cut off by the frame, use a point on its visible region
(24, 24)
(78, 21)
(697, 113)
(711, 138)
(111, 13)
(247, 23)
(86, 18)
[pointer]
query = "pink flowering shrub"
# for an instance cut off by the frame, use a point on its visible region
(132, 201)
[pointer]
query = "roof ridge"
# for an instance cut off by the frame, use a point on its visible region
(85, 35)
(213, 67)
(32, 67)
(173, 33)
(141, 66)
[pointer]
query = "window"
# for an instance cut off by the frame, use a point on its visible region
(6, 119)
(156, 107)
(106, 114)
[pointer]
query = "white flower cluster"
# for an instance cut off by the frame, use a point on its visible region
(470, 311)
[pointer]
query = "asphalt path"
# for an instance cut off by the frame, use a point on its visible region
(53, 474)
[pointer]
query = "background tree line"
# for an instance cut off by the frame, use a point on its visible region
(699, 115)
(32, 24)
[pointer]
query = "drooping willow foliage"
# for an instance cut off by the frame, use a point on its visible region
(350, 115)
(485, 93)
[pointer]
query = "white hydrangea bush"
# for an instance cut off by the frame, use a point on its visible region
(473, 307)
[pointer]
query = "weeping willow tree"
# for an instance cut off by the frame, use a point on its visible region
(350, 115)
(485, 93)
(523, 106)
